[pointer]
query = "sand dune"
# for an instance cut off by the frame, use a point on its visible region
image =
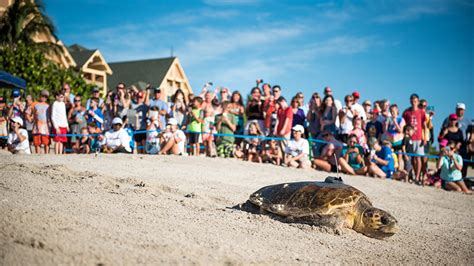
(129, 209)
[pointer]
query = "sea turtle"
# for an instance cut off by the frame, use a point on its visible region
(331, 203)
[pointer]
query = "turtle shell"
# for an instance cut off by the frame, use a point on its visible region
(306, 198)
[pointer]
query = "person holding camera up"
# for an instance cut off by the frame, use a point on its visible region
(450, 164)
(18, 138)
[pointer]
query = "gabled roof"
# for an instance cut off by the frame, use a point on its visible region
(83, 56)
(151, 71)
(76, 48)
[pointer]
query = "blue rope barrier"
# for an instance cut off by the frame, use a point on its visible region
(136, 132)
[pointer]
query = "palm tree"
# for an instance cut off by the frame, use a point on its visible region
(25, 20)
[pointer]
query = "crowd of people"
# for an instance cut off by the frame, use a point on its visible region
(364, 138)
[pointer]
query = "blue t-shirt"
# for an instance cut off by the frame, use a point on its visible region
(386, 154)
(98, 112)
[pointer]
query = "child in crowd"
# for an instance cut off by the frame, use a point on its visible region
(83, 143)
(374, 128)
(272, 152)
(18, 137)
(352, 161)
(226, 124)
(152, 145)
(393, 127)
(408, 132)
(40, 123)
(359, 132)
(450, 163)
(208, 130)
(195, 125)
(94, 137)
(253, 145)
(94, 114)
(381, 163)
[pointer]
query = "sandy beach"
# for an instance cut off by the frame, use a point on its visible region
(140, 209)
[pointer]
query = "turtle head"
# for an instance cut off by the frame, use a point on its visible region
(376, 223)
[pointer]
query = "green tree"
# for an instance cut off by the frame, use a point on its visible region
(40, 73)
(23, 21)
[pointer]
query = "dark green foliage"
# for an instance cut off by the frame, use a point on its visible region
(40, 73)
(22, 56)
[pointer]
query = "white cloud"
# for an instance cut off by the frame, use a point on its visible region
(410, 13)
(213, 43)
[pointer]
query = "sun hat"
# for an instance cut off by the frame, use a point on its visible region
(356, 94)
(18, 120)
(461, 106)
(367, 102)
(299, 128)
(95, 89)
(453, 117)
(172, 122)
(117, 120)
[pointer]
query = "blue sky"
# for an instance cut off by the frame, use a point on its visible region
(383, 49)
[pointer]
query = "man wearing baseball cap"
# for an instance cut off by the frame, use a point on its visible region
(297, 151)
(357, 106)
(117, 139)
(95, 94)
(463, 121)
(18, 138)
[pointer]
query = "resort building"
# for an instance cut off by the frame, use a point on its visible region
(164, 73)
(91, 65)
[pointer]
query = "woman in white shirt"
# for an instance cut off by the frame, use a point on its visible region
(297, 151)
(18, 137)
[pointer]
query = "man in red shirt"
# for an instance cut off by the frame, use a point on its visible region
(415, 117)
(284, 122)
(269, 108)
(284, 119)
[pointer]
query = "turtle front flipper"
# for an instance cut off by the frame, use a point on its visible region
(335, 222)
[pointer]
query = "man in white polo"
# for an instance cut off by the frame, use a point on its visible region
(297, 151)
(117, 139)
